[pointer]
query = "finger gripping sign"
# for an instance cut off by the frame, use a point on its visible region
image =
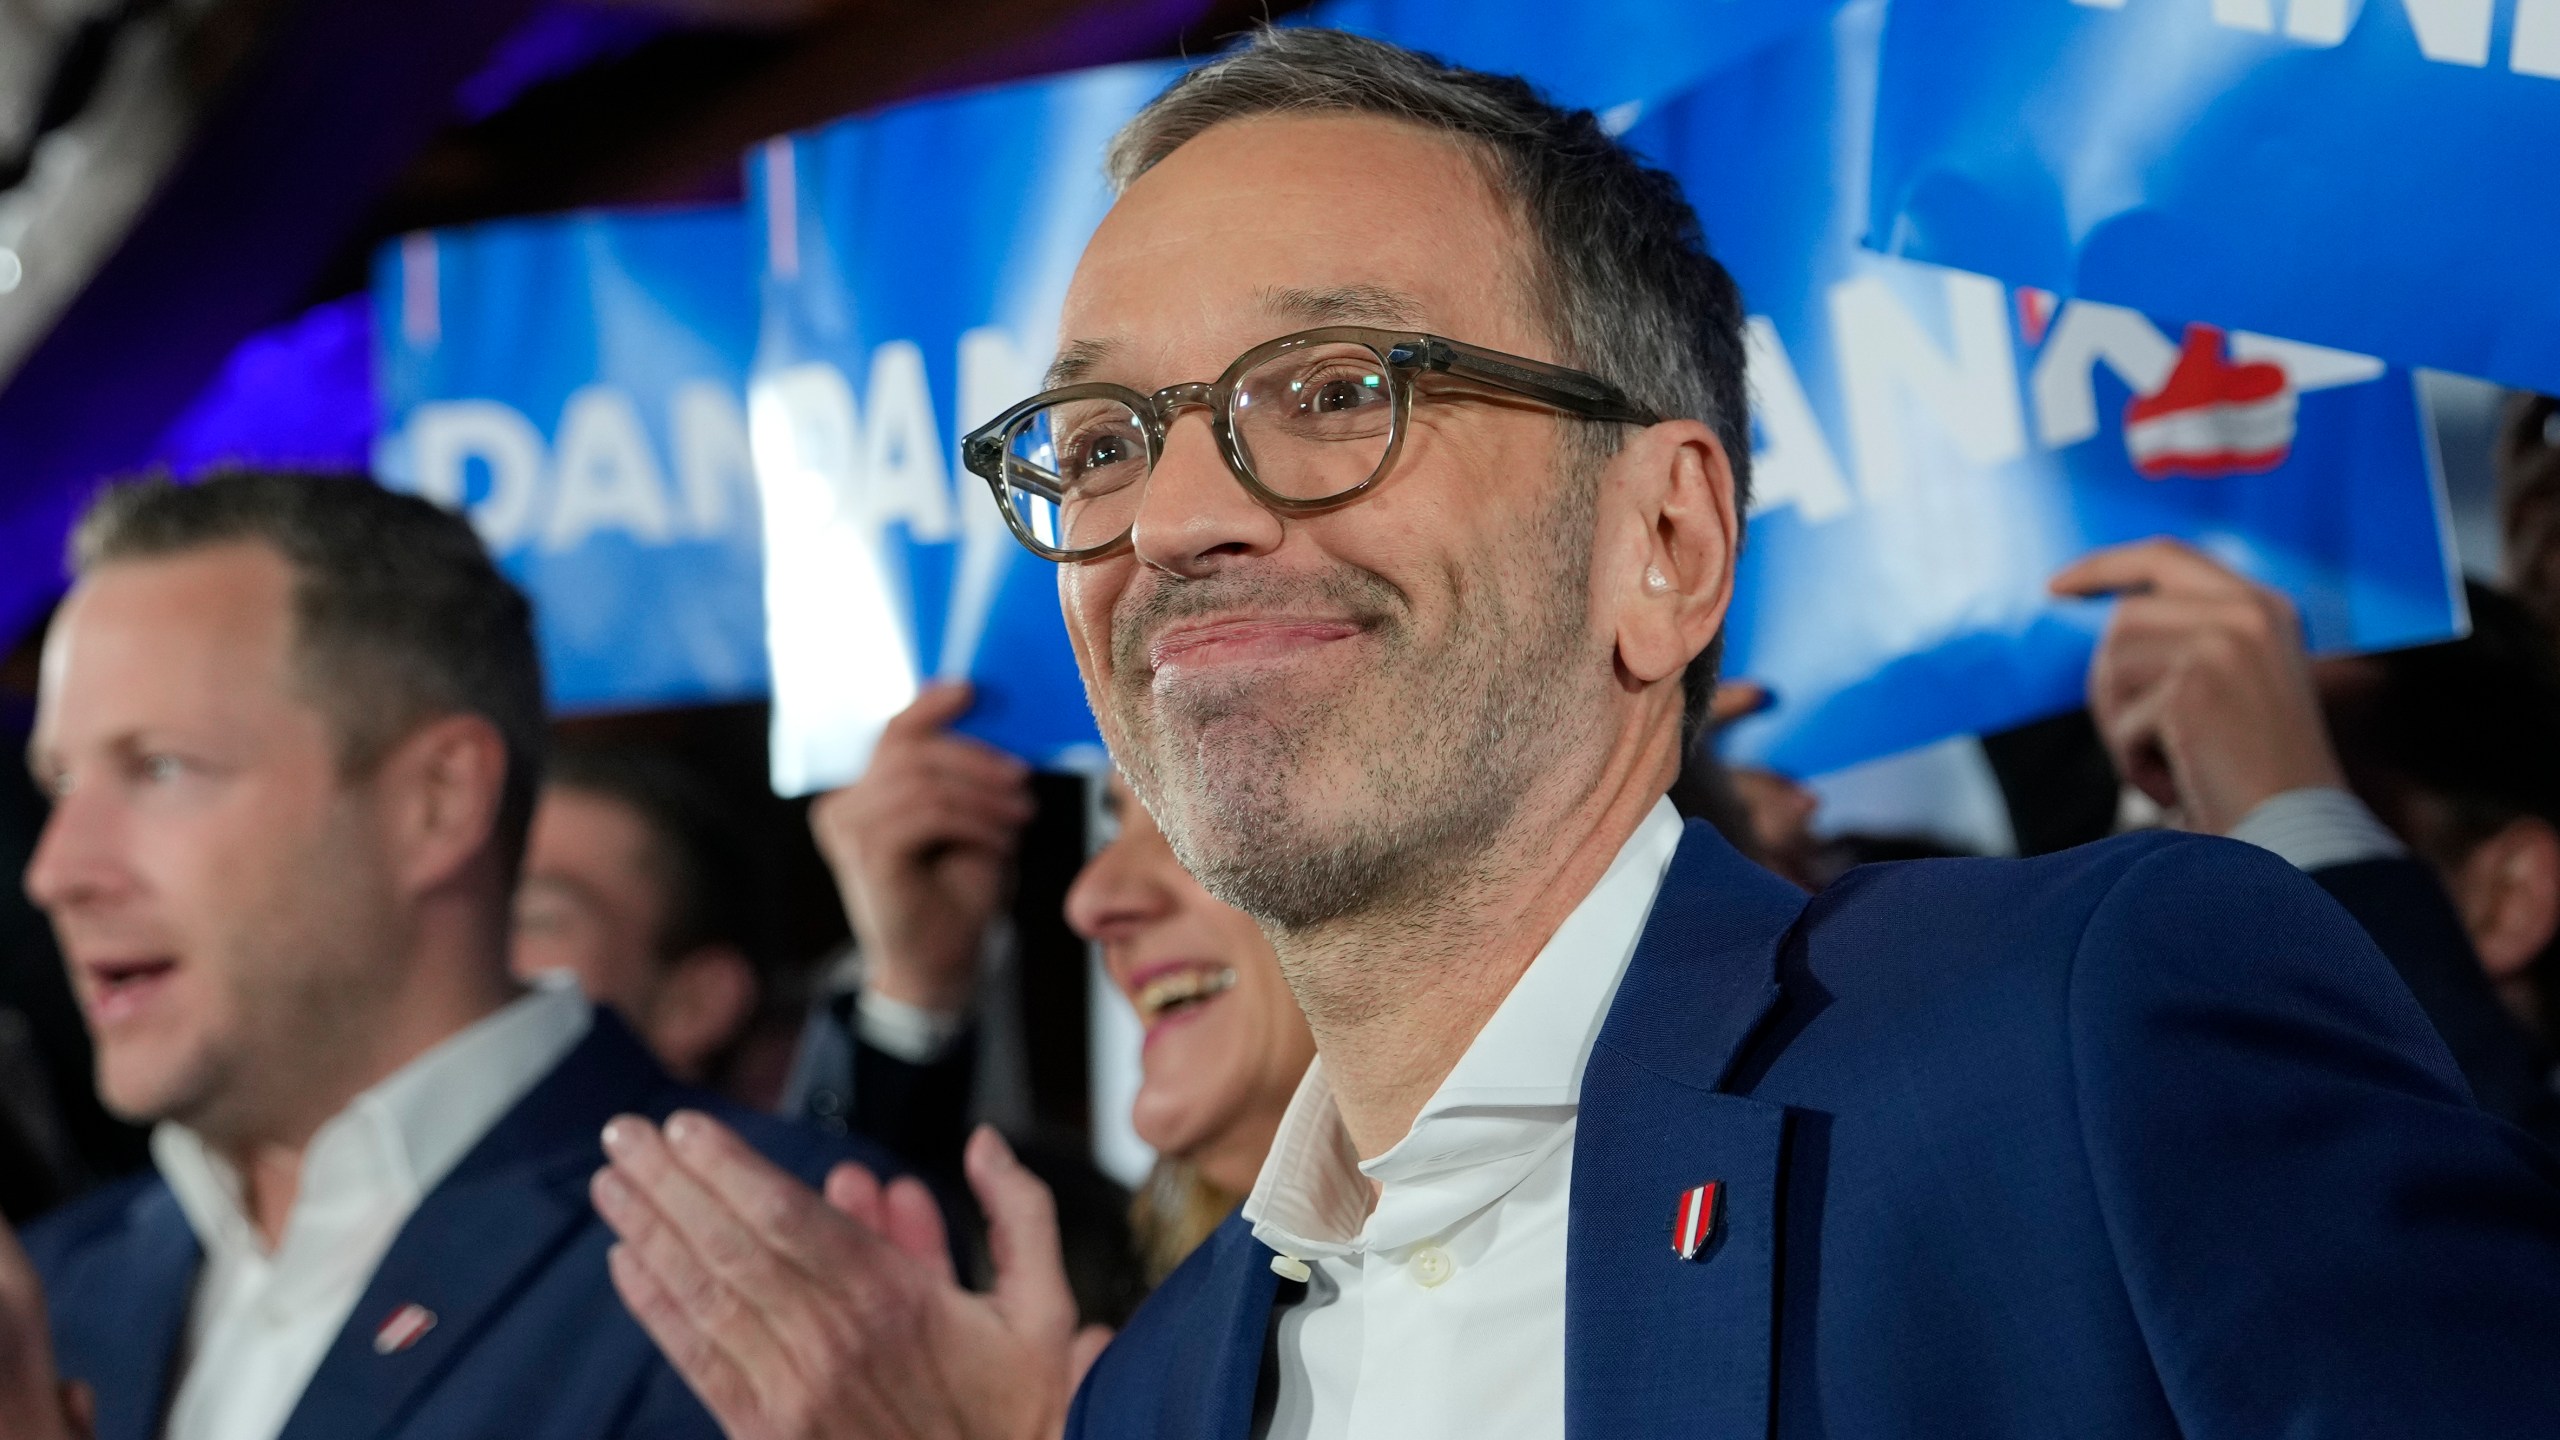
(1930, 445)
(913, 265)
(2365, 175)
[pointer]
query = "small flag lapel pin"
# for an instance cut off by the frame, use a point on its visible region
(407, 1326)
(1693, 1222)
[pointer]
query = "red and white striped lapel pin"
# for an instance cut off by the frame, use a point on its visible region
(1694, 1219)
(407, 1326)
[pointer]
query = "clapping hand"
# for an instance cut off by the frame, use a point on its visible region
(797, 1316)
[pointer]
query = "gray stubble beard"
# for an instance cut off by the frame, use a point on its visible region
(1439, 776)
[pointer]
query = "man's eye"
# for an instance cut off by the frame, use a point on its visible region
(1342, 393)
(161, 769)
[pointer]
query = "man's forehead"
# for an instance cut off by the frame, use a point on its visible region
(1284, 307)
(194, 630)
(1270, 223)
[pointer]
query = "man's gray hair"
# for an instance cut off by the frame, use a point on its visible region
(399, 616)
(1619, 267)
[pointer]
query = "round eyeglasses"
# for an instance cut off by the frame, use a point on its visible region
(1306, 422)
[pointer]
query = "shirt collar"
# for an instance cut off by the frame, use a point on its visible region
(1503, 1109)
(395, 1142)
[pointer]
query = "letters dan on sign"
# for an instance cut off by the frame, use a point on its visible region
(576, 386)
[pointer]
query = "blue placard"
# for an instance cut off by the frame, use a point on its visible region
(2373, 175)
(914, 264)
(1613, 56)
(1932, 445)
(576, 386)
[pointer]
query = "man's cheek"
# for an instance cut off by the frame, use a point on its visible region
(1086, 604)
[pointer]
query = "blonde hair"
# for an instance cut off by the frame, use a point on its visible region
(1173, 1211)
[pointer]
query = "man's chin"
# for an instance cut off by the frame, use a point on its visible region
(139, 1091)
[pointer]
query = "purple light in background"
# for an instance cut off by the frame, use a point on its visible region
(298, 396)
(556, 40)
(1101, 35)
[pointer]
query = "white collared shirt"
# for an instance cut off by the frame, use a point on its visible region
(1440, 1312)
(2317, 827)
(260, 1321)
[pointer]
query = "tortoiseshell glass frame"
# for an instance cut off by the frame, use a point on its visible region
(1403, 354)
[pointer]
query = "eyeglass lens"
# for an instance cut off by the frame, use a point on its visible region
(1312, 423)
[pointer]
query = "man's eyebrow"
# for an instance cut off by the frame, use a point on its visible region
(1343, 305)
(1337, 305)
(1077, 360)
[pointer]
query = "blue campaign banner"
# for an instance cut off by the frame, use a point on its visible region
(577, 387)
(2372, 175)
(914, 262)
(1930, 445)
(1606, 55)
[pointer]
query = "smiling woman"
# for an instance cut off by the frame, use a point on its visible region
(1225, 1042)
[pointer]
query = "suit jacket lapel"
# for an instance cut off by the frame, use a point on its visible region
(513, 1202)
(151, 1282)
(1655, 1344)
(1215, 1368)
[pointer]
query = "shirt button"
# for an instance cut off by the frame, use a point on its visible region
(1432, 1267)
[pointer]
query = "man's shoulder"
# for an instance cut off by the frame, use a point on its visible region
(1997, 965)
(100, 1220)
(561, 1119)
(2079, 965)
(1950, 915)
(2082, 873)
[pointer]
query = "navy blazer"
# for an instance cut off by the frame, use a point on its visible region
(2139, 1139)
(530, 1340)
(2404, 907)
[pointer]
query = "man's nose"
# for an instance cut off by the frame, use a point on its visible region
(1195, 509)
(75, 860)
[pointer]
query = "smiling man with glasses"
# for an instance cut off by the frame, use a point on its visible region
(1400, 638)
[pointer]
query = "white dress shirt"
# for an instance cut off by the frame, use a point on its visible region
(261, 1320)
(1440, 1311)
(2317, 827)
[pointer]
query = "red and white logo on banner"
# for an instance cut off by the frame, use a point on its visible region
(1693, 1221)
(2212, 417)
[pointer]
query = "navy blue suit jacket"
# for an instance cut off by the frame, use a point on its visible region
(2135, 1140)
(530, 1341)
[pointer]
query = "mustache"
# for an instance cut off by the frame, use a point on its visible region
(1144, 611)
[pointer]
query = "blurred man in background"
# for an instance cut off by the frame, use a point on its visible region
(637, 882)
(292, 727)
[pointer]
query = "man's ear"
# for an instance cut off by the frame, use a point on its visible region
(1668, 578)
(441, 788)
(2508, 889)
(701, 1005)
